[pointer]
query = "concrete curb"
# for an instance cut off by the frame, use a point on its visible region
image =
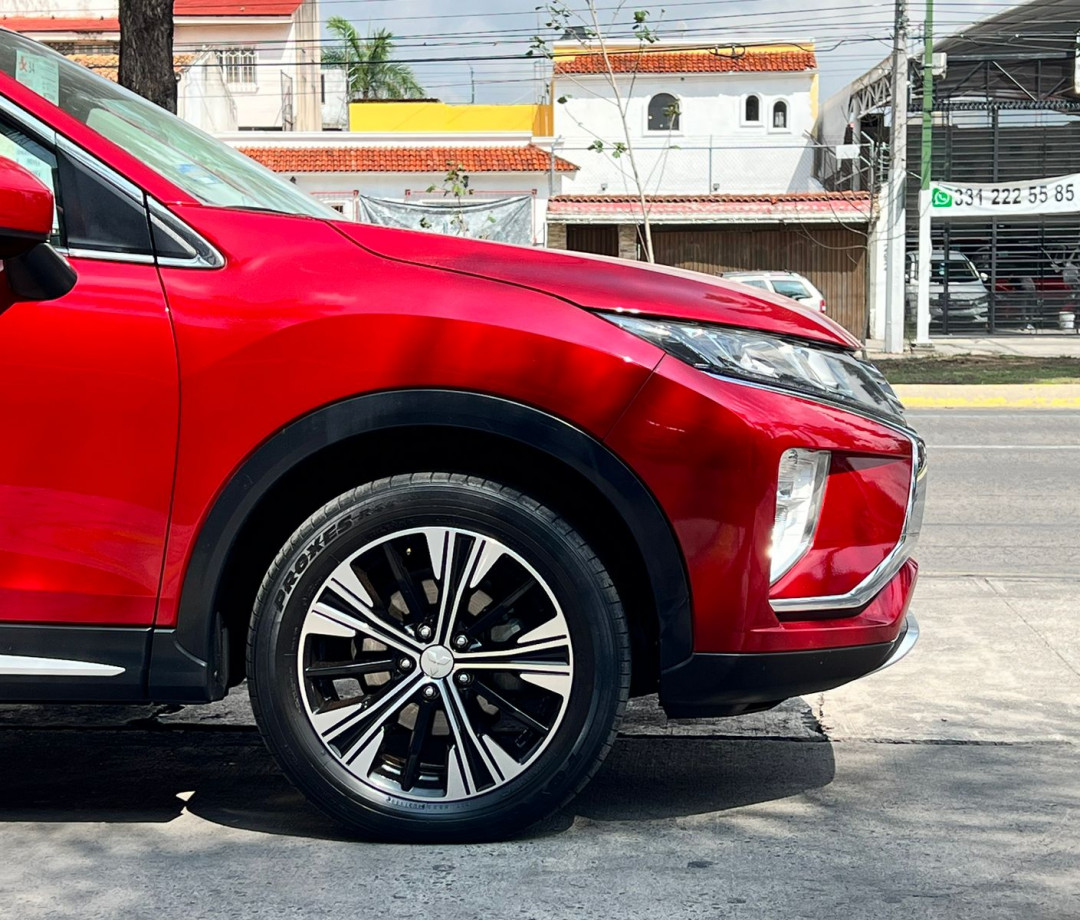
(989, 396)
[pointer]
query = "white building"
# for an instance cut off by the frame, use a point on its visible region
(241, 66)
(700, 120)
(721, 137)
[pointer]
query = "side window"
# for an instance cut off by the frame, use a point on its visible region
(91, 214)
(97, 216)
(239, 65)
(792, 289)
(779, 115)
(752, 110)
(664, 113)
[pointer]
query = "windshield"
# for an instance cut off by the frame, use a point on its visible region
(205, 168)
(960, 271)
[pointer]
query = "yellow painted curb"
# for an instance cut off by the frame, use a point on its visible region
(991, 396)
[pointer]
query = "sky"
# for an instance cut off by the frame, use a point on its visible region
(475, 41)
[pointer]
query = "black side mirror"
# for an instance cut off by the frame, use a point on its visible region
(40, 273)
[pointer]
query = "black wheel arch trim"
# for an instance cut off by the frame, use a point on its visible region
(198, 625)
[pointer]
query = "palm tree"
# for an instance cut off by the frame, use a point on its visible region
(368, 69)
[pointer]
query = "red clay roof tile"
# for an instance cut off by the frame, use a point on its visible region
(108, 65)
(722, 60)
(406, 159)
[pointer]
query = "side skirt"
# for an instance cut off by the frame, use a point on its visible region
(78, 664)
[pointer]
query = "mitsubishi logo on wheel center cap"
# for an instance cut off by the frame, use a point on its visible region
(437, 662)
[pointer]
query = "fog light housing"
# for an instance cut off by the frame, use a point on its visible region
(800, 489)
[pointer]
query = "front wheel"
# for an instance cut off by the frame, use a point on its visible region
(438, 657)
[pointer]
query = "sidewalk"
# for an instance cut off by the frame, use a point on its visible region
(989, 396)
(1036, 345)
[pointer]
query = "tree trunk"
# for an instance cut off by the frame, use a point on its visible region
(146, 50)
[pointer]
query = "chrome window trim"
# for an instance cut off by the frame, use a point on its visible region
(104, 255)
(106, 173)
(868, 588)
(204, 254)
(28, 121)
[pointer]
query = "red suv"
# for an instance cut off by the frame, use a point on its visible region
(444, 504)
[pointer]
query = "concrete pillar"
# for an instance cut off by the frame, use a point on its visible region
(877, 279)
(628, 241)
(556, 236)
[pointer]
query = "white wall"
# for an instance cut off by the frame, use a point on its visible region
(261, 105)
(335, 105)
(714, 149)
(203, 99)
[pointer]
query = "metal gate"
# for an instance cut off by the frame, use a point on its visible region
(1025, 271)
(833, 258)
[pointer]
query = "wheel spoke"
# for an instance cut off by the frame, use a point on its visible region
(538, 657)
(361, 615)
(364, 714)
(344, 669)
(421, 728)
(461, 556)
(474, 756)
(405, 583)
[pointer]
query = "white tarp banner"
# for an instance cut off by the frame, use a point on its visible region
(505, 220)
(1032, 197)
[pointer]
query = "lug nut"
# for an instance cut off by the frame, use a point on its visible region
(429, 692)
(424, 632)
(405, 664)
(461, 641)
(464, 678)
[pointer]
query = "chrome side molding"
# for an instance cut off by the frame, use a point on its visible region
(28, 666)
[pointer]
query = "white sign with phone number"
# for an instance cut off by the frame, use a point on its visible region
(1060, 195)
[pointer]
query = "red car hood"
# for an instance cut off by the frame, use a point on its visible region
(602, 283)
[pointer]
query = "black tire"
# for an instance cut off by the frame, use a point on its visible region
(557, 724)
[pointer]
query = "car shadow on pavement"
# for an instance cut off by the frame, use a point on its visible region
(226, 776)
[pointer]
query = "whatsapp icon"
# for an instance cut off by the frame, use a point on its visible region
(941, 199)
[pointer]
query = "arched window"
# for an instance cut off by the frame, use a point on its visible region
(663, 113)
(752, 110)
(779, 115)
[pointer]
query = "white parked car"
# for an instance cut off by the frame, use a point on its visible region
(969, 300)
(789, 284)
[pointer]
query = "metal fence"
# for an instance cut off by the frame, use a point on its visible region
(1021, 274)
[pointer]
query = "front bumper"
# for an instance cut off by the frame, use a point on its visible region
(719, 684)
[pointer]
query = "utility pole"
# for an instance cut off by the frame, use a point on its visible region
(472, 86)
(922, 315)
(896, 240)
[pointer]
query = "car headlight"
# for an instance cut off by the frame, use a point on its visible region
(835, 376)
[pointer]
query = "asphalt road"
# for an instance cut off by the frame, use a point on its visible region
(947, 786)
